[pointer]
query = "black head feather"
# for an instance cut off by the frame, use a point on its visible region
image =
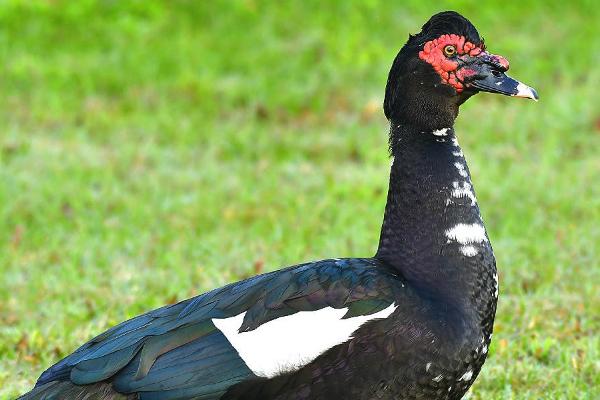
(412, 90)
(448, 22)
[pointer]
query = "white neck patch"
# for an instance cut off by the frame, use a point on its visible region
(467, 233)
(288, 343)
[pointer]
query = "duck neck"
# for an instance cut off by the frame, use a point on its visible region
(432, 230)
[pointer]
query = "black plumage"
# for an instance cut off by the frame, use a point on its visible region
(434, 277)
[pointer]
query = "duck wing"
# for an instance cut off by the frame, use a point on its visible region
(260, 327)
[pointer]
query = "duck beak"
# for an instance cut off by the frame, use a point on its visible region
(487, 74)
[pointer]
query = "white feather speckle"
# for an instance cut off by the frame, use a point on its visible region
(461, 169)
(467, 376)
(463, 189)
(441, 132)
(496, 284)
(485, 349)
(427, 367)
(438, 378)
(458, 153)
(469, 251)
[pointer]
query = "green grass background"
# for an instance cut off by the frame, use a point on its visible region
(151, 150)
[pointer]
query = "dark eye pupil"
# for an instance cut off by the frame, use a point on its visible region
(450, 50)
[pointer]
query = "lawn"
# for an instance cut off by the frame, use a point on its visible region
(150, 151)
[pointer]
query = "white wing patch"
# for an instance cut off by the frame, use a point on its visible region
(288, 343)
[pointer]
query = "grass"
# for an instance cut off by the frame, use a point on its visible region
(152, 150)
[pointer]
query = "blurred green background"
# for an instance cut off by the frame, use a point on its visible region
(152, 150)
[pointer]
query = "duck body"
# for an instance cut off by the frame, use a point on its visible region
(435, 342)
(413, 322)
(416, 340)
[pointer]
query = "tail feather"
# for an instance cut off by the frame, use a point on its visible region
(62, 390)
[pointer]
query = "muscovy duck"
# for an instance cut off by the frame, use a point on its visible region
(413, 322)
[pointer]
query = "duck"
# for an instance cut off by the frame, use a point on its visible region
(414, 321)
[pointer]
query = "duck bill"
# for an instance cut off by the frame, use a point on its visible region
(494, 81)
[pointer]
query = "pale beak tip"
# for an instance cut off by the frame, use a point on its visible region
(526, 92)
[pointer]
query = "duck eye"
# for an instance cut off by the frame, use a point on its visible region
(449, 51)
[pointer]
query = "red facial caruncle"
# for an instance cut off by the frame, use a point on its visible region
(444, 54)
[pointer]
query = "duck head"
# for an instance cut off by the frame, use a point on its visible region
(440, 68)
